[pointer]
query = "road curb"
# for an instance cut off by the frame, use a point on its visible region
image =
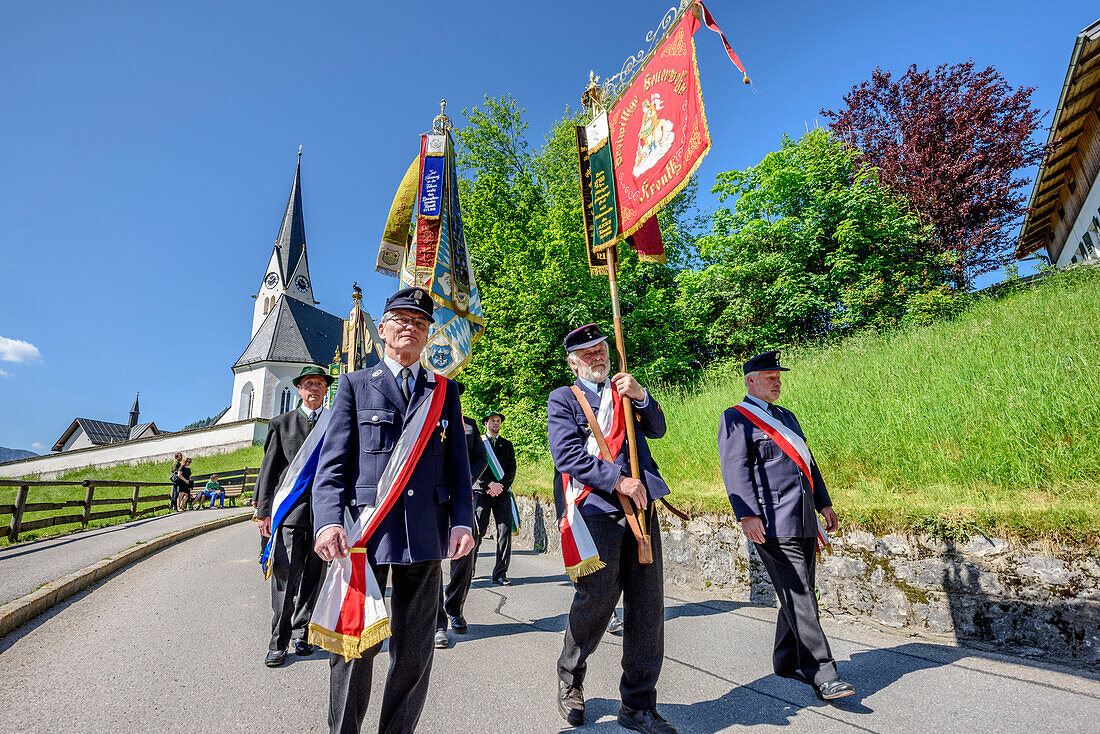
(27, 607)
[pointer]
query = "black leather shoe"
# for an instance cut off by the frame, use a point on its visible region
(275, 658)
(301, 647)
(644, 720)
(503, 581)
(835, 689)
(571, 703)
(458, 624)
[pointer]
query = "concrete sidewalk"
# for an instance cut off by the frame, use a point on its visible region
(26, 566)
(175, 643)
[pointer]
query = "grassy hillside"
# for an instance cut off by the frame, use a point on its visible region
(144, 472)
(986, 423)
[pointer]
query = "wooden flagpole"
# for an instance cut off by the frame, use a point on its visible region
(592, 99)
(645, 547)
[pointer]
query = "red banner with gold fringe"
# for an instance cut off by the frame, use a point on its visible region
(659, 128)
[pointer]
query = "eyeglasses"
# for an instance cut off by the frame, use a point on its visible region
(420, 324)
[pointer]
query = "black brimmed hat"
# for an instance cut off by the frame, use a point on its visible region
(312, 369)
(412, 299)
(765, 361)
(584, 337)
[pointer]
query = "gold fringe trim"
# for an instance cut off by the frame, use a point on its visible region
(698, 161)
(592, 565)
(346, 645)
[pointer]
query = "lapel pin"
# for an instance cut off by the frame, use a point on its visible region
(376, 373)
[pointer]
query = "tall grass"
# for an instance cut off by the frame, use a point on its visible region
(989, 422)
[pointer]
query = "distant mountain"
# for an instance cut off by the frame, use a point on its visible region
(15, 454)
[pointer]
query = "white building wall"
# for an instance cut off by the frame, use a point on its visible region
(267, 379)
(79, 440)
(199, 442)
(1086, 223)
(270, 290)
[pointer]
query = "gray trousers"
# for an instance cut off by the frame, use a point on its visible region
(594, 600)
(296, 574)
(453, 599)
(800, 644)
(414, 599)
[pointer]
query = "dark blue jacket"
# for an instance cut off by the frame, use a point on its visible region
(761, 480)
(568, 429)
(367, 418)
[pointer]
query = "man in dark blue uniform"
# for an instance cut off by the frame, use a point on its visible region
(430, 521)
(452, 599)
(641, 585)
(764, 467)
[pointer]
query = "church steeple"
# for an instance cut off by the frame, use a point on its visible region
(134, 412)
(292, 232)
(287, 271)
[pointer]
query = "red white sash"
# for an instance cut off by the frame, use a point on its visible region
(350, 614)
(577, 548)
(791, 444)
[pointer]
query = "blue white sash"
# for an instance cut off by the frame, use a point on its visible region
(297, 480)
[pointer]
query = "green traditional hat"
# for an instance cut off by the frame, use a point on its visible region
(312, 369)
(487, 416)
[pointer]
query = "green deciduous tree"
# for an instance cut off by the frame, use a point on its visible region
(522, 213)
(814, 245)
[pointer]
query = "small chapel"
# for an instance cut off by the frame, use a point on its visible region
(288, 330)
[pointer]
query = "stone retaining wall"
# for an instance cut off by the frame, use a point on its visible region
(984, 592)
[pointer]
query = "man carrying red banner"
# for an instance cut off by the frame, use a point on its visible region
(391, 499)
(599, 547)
(774, 487)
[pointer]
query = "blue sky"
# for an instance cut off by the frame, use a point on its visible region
(149, 148)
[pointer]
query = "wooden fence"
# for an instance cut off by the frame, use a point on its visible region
(241, 480)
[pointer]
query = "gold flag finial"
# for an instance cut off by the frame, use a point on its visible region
(594, 97)
(442, 124)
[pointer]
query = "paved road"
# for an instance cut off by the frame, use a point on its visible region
(27, 566)
(175, 644)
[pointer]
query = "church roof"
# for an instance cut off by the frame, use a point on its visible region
(100, 433)
(294, 332)
(292, 231)
(140, 428)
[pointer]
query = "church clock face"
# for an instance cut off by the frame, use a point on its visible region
(302, 283)
(271, 280)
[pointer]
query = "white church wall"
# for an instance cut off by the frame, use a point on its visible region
(199, 442)
(276, 376)
(79, 440)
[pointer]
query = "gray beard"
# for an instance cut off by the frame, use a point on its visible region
(597, 375)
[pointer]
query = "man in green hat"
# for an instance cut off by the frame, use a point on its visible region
(296, 571)
(493, 491)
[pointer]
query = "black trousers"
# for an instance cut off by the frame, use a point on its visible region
(594, 600)
(800, 644)
(501, 509)
(414, 598)
(453, 598)
(296, 575)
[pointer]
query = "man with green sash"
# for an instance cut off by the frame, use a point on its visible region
(494, 494)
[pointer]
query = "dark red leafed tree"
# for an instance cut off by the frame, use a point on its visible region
(951, 141)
